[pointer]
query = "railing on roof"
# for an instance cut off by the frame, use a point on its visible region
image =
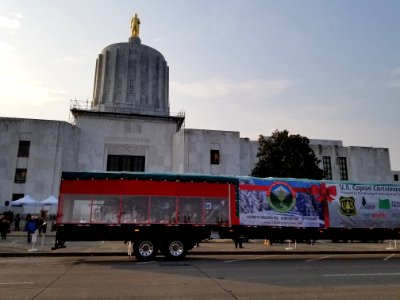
(87, 106)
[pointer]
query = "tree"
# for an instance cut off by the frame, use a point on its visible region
(286, 155)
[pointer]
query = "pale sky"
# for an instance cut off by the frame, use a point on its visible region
(322, 69)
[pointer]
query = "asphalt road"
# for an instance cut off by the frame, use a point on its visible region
(202, 277)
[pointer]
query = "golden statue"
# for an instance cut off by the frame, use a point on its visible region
(135, 23)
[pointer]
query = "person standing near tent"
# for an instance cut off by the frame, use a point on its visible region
(30, 227)
(17, 220)
(4, 226)
(41, 224)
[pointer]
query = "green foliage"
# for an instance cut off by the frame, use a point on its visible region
(286, 155)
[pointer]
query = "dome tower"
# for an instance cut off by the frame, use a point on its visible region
(131, 78)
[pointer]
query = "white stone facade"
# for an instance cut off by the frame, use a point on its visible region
(53, 149)
(364, 164)
(57, 146)
(103, 135)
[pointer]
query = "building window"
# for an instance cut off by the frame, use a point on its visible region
(108, 86)
(125, 163)
(23, 148)
(214, 157)
(20, 176)
(14, 197)
(326, 162)
(396, 177)
(118, 90)
(131, 87)
(343, 168)
(142, 89)
(17, 196)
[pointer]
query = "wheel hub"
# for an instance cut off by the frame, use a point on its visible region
(176, 248)
(146, 249)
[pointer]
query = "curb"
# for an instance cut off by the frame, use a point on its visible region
(266, 253)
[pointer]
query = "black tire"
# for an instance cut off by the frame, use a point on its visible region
(145, 250)
(175, 249)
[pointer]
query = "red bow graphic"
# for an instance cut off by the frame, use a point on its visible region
(322, 192)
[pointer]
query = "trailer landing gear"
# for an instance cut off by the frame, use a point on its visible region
(59, 244)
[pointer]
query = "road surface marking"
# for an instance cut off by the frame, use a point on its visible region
(361, 274)
(244, 259)
(13, 260)
(320, 258)
(387, 258)
(145, 262)
(22, 282)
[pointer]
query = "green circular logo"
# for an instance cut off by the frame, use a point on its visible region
(281, 196)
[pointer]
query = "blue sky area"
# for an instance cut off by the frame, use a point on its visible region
(322, 69)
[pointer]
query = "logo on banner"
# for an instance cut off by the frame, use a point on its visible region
(348, 206)
(281, 196)
(384, 204)
(366, 205)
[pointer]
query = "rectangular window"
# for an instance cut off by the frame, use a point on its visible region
(214, 157)
(118, 90)
(23, 148)
(131, 87)
(326, 161)
(108, 86)
(105, 209)
(343, 168)
(396, 177)
(14, 197)
(125, 163)
(17, 196)
(20, 176)
(135, 209)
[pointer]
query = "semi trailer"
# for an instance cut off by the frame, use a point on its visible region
(169, 213)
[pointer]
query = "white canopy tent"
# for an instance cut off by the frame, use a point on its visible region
(49, 201)
(33, 206)
(29, 204)
(25, 201)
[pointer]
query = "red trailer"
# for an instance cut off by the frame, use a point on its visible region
(166, 212)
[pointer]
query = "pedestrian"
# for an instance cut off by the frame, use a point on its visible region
(238, 239)
(42, 225)
(9, 216)
(4, 227)
(17, 220)
(39, 223)
(30, 227)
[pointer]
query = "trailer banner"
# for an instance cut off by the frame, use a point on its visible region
(289, 203)
(365, 206)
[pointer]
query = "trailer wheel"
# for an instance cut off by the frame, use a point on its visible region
(175, 249)
(145, 249)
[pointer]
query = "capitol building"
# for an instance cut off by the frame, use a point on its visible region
(128, 127)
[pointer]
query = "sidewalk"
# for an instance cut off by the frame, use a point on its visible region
(16, 245)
